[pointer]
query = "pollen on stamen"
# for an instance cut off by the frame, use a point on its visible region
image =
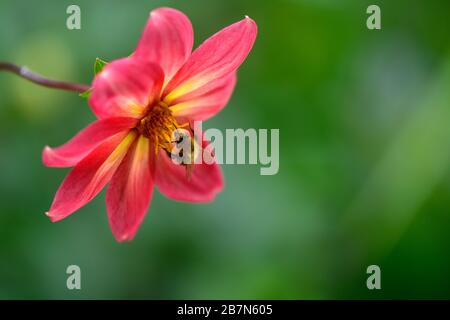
(159, 125)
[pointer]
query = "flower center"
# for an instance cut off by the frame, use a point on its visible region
(158, 125)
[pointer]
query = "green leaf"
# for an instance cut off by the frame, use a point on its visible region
(98, 65)
(86, 93)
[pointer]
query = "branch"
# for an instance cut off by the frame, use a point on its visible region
(25, 73)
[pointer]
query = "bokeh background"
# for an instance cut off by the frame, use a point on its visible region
(364, 158)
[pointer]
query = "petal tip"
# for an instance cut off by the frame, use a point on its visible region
(251, 24)
(160, 10)
(46, 156)
(248, 19)
(46, 149)
(125, 237)
(52, 218)
(44, 152)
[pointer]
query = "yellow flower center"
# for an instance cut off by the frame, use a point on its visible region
(158, 125)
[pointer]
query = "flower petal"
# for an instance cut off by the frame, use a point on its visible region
(167, 40)
(85, 141)
(89, 176)
(216, 58)
(125, 88)
(129, 192)
(204, 182)
(200, 105)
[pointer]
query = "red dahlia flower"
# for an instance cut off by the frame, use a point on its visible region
(139, 102)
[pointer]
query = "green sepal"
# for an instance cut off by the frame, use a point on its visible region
(98, 65)
(86, 94)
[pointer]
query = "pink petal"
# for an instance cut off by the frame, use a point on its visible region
(200, 105)
(89, 176)
(126, 88)
(85, 141)
(217, 58)
(205, 181)
(167, 40)
(129, 193)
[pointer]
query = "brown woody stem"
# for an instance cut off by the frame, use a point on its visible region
(26, 73)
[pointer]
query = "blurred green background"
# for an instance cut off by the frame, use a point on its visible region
(364, 157)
